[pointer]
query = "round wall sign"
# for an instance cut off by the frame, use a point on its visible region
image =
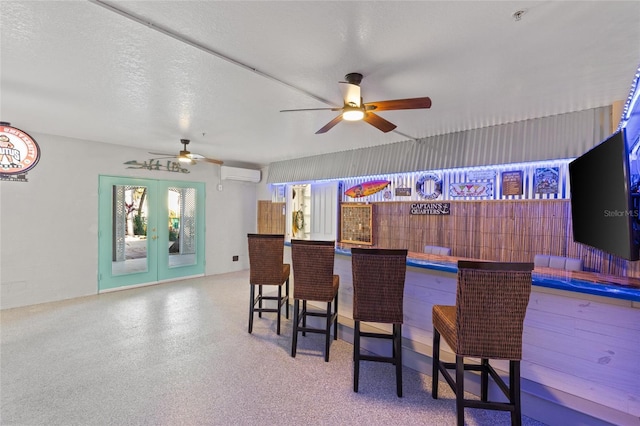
(429, 186)
(19, 153)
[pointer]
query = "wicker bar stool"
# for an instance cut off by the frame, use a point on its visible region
(378, 294)
(314, 281)
(485, 323)
(266, 267)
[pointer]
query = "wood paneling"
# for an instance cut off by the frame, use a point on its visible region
(271, 217)
(507, 231)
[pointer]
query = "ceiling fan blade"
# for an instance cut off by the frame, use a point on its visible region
(330, 124)
(163, 154)
(311, 109)
(412, 103)
(199, 157)
(212, 160)
(350, 93)
(379, 122)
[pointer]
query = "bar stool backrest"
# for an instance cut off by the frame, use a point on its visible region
(378, 284)
(313, 269)
(266, 254)
(491, 302)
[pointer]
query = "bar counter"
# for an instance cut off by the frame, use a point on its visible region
(580, 337)
(578, 281)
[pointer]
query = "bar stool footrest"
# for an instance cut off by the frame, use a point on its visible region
(377, 358)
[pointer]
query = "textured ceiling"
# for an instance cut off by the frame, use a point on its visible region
(148, 73)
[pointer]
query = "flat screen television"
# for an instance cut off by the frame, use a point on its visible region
(603, 206)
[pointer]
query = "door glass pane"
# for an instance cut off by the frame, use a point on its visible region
(182, 227)
(129, 229)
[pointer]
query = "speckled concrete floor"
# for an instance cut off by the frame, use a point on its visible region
(179, 354)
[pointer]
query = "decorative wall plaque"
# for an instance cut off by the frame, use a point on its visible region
(403, 192)
(512, 182)
(471, 189)
(481, 174)
(545, 180)
(170, 166)
(19, 153)
(429, 186)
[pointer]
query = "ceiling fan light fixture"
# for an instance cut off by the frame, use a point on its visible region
(352, 113)
(354, 108)
(185, 157)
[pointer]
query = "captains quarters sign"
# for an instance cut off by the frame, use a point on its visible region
(431, 208)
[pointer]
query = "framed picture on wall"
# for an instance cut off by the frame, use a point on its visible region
(512, 182)
(545, 180)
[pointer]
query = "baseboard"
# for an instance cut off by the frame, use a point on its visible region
(147, 284)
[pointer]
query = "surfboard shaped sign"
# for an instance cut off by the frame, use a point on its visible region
(367, 188)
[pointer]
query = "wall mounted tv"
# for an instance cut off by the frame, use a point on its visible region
(603, 203)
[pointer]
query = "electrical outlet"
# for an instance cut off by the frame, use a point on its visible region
(235, 258)
(219, 187)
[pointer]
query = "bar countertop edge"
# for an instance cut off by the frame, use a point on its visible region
(574, 281)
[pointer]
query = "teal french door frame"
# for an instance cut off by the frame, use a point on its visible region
(158, 266)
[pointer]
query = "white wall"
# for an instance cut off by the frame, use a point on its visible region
(49, 225)
(264, 189)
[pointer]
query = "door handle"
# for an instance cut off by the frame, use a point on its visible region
(154, 237)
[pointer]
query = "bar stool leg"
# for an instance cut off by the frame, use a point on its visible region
(252, 295)
(279, 308)
(304, 317)
(514, 391)
(484, 380)
(287, 306)
(356, 355)
(327, 339)
(435, 370)
(259, 301)
(335, 324)
(397, 346)
(294, 339)
(460, 389)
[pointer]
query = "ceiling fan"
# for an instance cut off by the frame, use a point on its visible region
(355, 108)
(185, 156)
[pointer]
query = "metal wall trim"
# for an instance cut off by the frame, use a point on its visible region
(556, 137)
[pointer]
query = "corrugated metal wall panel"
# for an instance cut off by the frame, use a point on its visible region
(560, 136)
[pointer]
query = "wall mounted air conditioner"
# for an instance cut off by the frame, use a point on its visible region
(237, 173)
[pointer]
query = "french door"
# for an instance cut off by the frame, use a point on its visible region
(149, 231)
